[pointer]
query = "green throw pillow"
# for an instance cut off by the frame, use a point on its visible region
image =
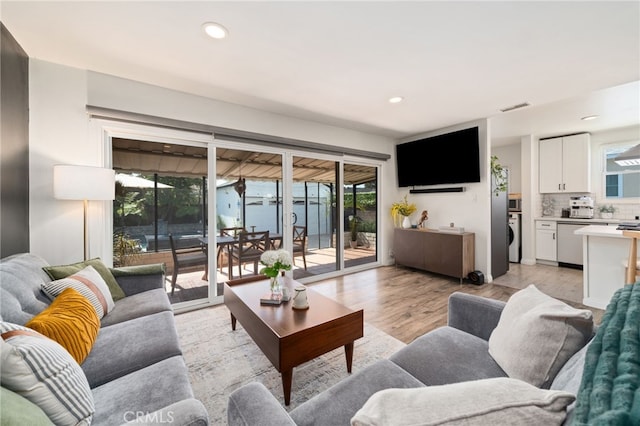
(18, 410)
(63, 271)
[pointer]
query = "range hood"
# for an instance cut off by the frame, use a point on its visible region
(630, 157)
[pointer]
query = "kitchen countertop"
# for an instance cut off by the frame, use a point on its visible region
(600, 231)
(580, 220)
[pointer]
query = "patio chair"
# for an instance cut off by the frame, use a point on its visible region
(300, 244)
(187, 257)
(250, 247)
(227, 232)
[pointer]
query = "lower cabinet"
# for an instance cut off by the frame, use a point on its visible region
(440, 252)
(546, 240)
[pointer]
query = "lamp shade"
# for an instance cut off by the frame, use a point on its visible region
(83, 183)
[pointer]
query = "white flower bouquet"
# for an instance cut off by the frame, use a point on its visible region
(275, 261)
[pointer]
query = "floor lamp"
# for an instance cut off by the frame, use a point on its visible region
(83, 183)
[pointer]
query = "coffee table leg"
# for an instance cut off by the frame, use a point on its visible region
(287, 378)
(233, 322)
(348, 352)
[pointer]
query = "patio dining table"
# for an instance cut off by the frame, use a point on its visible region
(226, 241)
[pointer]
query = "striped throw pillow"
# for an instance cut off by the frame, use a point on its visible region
(88, 283)
(71, 321)
(43, 372)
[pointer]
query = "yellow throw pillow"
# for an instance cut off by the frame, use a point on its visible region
(71, 321)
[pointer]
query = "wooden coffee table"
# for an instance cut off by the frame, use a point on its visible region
(290, 337)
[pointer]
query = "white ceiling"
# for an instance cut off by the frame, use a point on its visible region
(339, 62)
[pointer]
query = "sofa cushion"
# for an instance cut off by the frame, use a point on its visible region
(21, 277)
(447, 355)
(497, 401)
(537, 334)
(143, 391)
(569, 377)
(339, 403)
(17, 410)
(88, 283)
(131, 345)
(62, 271)
(71, 321)
(138, 305)
(42, 371)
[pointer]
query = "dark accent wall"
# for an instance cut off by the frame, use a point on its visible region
(14, 146)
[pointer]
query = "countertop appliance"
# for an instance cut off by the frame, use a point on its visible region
(515, 202)
(515, 243)
(581, 207)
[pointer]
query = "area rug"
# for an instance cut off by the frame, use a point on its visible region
(221, 360)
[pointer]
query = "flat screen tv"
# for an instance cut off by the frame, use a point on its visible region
(444, 159)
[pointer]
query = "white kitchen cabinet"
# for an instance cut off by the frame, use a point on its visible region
(565, 164)
(546, 240)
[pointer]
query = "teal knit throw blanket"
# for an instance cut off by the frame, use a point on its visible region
(609, 392)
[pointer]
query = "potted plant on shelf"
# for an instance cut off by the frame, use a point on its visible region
(606, 211)
(403, 209)
(500, 176)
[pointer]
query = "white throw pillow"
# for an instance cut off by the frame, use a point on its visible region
(87, 282)
(43, 372)
(537, 334)
(498, 401)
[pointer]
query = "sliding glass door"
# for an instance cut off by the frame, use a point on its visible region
(315, 240)
(160, 211)
(248, 198)
(360, 218)
(321, 208)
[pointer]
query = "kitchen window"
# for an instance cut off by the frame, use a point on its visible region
(620, 182)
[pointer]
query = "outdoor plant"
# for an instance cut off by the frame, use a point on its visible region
(125, 250)
(353, 228)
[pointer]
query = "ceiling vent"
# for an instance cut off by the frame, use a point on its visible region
(511, 108)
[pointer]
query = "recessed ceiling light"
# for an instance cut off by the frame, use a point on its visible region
(589, 117)
(215, 30)
(396, 99)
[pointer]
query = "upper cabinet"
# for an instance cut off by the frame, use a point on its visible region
(565, 164)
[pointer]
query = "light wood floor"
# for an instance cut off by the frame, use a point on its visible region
(407, 303)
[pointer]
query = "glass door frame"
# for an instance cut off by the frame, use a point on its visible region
(104, 130)
(101, 225)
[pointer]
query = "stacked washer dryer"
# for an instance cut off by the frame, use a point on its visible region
(515, 240)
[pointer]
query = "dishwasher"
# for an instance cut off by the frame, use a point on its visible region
(570, 244)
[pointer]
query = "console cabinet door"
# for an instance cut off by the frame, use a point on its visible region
(408, 248)
(443, 254)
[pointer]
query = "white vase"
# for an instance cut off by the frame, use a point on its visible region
(406, 222)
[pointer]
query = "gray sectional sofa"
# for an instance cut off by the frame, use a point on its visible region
(456, 353)
(135, 367)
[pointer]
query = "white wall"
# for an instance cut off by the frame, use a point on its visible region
(59, 127)
(470, 209)
(509, 157)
